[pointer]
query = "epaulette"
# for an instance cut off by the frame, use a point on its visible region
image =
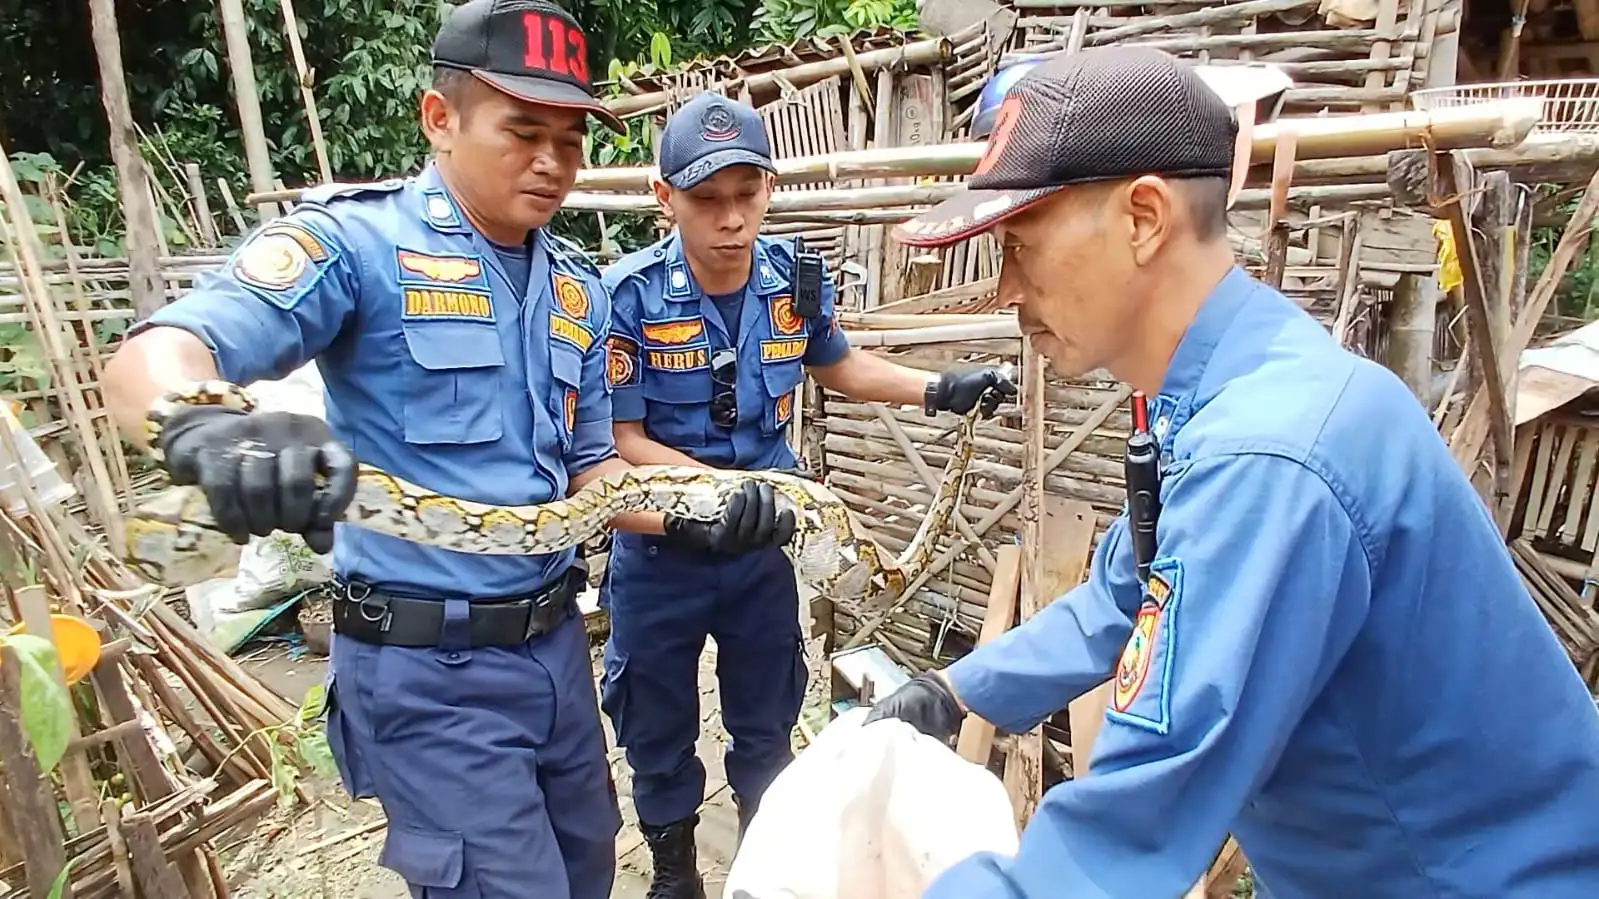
(573, 252)
(636, 262)
(322, 194)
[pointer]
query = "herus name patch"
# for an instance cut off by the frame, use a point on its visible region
(782, 350)
(678, 360)
(570, 331)
(435, 303)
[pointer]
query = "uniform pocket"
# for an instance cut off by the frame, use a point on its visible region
(433, 862)
(780, 378)
(453, 394)
(678, 405)
(566, 367)
(613, 690)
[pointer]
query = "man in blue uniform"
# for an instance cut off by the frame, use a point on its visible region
(463, 349)
(713, 329)
(1333, 657)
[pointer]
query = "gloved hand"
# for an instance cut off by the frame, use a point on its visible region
(959, 391)
(751, 521)
(260, 471)
(924, 703)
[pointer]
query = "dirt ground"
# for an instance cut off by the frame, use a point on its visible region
(331, 851)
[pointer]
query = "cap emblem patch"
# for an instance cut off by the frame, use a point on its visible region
(718, 124)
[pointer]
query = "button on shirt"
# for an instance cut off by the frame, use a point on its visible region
(665, 331)
(1334, 658)
(438, 368)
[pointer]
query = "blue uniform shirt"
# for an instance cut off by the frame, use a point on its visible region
(665, 332)
(1335, 659)
(437, 371)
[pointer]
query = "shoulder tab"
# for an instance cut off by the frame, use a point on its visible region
(779, 249)
(323, 194)
(572, 252)
(635, 263)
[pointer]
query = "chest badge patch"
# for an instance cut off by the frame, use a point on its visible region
(439, 269)
(571, 296)
(785, 321)
(674, 332)
(570, 331)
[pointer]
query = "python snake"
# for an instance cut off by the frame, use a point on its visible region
(172, 537)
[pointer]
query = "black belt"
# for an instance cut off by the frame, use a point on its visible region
(370, 616)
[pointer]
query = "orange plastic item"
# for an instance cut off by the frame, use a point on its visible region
(77, 644)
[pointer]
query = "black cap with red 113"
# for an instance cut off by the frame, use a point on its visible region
(530, 49)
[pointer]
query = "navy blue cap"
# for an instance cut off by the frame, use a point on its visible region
(709, 134)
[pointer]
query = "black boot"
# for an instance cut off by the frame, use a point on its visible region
(746, 813)
(677, 873)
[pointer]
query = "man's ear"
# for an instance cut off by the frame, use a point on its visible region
(663, 196)
(438, 120)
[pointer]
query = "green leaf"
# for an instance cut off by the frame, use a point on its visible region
(60, 885)
(315, 752)
(46, 707)
(312, 706)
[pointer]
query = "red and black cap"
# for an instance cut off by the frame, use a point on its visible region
(1096, 115)
(530, 49)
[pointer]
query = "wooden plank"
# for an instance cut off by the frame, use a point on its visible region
(1058, 545)
(1548, 438)
(977, 735)
(1557, 479)
(156, 876)
(1581, 484)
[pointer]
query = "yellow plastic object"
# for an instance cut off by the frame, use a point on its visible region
(77, 644)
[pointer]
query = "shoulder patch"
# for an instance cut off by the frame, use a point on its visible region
(326, 193)
(281, 262)
(621, 362)
(1141, 686)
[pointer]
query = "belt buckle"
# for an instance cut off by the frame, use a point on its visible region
(540, 621)
(372, 611)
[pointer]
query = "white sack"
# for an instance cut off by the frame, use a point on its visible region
(281, 565)
(869, 813)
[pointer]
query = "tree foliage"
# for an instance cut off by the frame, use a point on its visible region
(369, 62)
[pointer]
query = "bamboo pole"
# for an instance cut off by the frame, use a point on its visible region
(917, 53)
(318, 145)
(24, 239)
(237, 37)
(144, 282)
(1501, 124)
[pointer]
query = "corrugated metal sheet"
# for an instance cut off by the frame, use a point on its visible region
(765, 58)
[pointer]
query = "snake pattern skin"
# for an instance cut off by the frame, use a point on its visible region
(172, 538)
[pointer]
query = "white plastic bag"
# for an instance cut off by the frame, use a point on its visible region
(276, 567)
(869, 813)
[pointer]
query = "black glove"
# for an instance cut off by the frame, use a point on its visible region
(959, 391)
(751, 521)
(262, 471)
(924, 703)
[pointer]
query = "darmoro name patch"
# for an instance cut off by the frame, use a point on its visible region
(429, 303)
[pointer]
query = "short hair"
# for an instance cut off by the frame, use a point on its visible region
(1207, 205)
(454, 84)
